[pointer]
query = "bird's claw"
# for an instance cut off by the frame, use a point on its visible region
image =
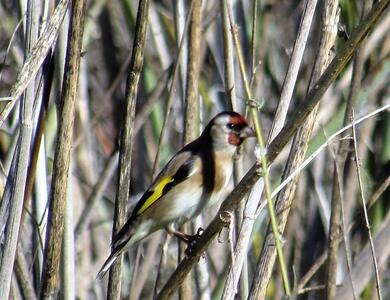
(191, 241)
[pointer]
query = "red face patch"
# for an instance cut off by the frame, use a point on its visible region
(234, 139)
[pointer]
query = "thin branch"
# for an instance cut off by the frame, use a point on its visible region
(228, 59)
(172, 88)
(322, 258)
(36, 57)
(191, 111)
(311, 272)
(22, 274)
(337, 216)
(297, 119)
(16, 181)
(328, 141)
(179, 66)
(330, 74)
(59, 185)
(284, 200)
(263, 160)
(253, 41)
(111, 164)
(363, 270)
(293, 68)
(378, 192)
(46, 80)
(126, 139)
(97, 192)
(2, 64)
(367, 222)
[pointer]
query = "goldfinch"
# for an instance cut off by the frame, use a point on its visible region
(192, 180)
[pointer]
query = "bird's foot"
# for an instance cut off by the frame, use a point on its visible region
(189, 239)
(191, 242)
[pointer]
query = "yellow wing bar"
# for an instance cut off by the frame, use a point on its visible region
(157, 193)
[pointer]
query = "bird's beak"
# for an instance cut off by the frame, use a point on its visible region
(247, 132)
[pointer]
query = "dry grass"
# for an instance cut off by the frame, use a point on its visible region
(190, 69)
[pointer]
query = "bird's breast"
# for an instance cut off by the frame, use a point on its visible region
(223, 171)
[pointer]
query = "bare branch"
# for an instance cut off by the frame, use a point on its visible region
(59, 185)
(126, 139)
(297, 119)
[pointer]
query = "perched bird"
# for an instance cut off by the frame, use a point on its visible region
(192, 180)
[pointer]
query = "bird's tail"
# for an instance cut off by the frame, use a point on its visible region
(116, 252)
(120, 243)
(107, 265)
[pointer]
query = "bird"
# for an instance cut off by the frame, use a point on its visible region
(194, 178)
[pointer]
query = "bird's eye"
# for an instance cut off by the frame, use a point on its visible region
(233, 126)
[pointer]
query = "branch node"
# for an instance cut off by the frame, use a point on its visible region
(256, 104)
(260, 153)
(226, 218)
